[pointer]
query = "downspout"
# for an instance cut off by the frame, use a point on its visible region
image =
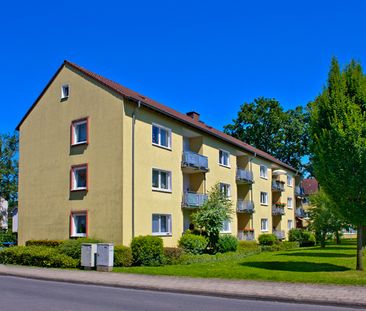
(251, 186)
(133, 167)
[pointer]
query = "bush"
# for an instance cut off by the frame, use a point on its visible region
(8, 237)
(227, 243)
(173, 255)
(248, 245)
(72, 248)
(193, 244)
(267, 239)
(40, 256)
(147, 250)
(280, 246)
(122, 256)
(303, 237)
(49, 243)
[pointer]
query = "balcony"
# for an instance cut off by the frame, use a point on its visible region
(278, 210)
(300, 212)
(246, 235)
(299, 191)
(194, 163)
(245, 206)
(278, 186)
(193, 200)
(280, 234)
(244, 176)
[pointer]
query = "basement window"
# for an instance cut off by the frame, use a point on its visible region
(65, 91)
(79, 178)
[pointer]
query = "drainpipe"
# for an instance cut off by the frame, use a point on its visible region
(133, 167)
(251, 186)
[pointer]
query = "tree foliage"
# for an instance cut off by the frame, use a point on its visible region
(324, 217)
(212, 214)
(265, 125)
(338, 143)
(9, 168)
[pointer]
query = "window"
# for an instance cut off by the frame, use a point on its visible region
(289, 202)
(264, 224)
(161, 136)
(161, 224)
(289, 181)
(289, 224)
(79, 177)
(161, 180)
(264, 198)
(263, 172)
(80, 132)
(224, 158)
(78, 224)
(225, 189)
(226, 227)
(65, 91)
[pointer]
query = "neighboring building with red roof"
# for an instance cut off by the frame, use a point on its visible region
(98, 159)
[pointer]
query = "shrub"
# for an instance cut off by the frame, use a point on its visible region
(267, 239)
(122, 256)
(248, 245)
(173, 255)
(49, 243)
(40, 256)
(194, 244)
(227, 243)
(72, 248)
(8, 237)
(305, 238)
(309, 239)
(147, 250)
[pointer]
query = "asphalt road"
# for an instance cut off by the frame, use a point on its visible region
(26, 294)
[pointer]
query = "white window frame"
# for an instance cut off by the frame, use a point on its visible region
(289, 180)
(169, 224)
(228, 195)
(265, 175)
(73, 232)
(74, 124)
(264, 221)
(169, 181)
(169, 140)
(63, 91)
(290, 221)
(289, 199)
(265, 195)
(229, 227)
(74, 169)
(222, 154)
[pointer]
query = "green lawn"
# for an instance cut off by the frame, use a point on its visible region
(335, 264)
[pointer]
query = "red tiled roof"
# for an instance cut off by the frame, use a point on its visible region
(310, 185)
(152, 104)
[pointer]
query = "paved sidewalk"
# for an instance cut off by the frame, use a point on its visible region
(351, 296)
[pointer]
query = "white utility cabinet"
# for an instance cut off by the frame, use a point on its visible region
(88, 255)
(105, 256)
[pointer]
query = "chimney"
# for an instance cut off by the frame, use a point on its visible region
(194, 115)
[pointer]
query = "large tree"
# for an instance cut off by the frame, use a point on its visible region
(265, 125)
(338, 144)
(9, 168)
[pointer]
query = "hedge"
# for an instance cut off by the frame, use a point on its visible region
(227, 243)
(72, 248)
(173, 255)
(193, 244)
(122, 256)
(147, 251)
(267, 239)
(49, 243)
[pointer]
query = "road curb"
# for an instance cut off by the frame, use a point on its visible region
(199, 292)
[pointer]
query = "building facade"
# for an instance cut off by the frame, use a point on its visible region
(97, 159)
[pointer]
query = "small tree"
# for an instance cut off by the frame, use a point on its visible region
(211, 216)
(324, 218)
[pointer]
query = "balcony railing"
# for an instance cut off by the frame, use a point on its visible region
(278, 186)
(192, 199)
(280, 234)
(300, 212)
(245, 235)
(245, 206)
(195, 160)
(299, 191)
(278, 210)
(244, 176)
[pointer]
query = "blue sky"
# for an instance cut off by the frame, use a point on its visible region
(208, 56)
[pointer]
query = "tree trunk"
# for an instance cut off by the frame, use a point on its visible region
(359, 265)
(364, 236)
(338, 240)
(322, 239)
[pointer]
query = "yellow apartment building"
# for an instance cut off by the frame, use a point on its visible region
(97, 159)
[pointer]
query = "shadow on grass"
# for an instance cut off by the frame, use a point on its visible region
(295, 266)
(308, 254)
(336, 248)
